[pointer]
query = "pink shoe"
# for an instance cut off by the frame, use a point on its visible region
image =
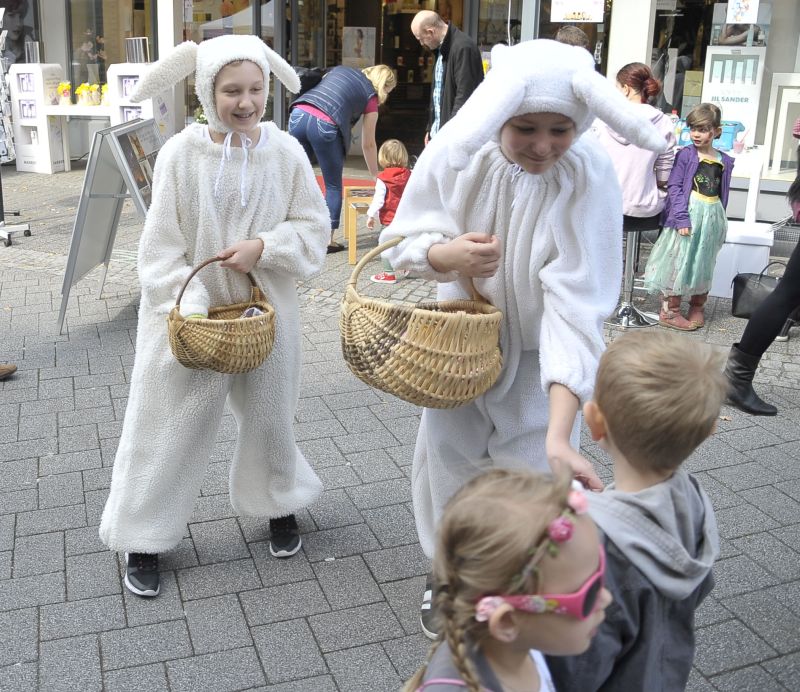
(383, 278)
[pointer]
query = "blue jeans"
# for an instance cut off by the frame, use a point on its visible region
(324, 141)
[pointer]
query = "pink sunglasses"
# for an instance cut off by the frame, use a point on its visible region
(580, 604)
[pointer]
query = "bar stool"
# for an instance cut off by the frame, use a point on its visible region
(627, 315)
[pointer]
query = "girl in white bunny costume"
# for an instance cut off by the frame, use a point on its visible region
(242, 190)
(510, 195)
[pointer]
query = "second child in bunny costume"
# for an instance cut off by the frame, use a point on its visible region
(243, 191)
(510, 195)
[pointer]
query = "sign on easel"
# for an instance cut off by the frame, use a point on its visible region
(120, 166)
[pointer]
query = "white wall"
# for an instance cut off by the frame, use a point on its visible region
(631, 36)
(170, 34)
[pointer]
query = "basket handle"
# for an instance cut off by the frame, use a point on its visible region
(385, 246)
(197, 269)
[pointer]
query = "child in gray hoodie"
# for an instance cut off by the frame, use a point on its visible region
(656, 398)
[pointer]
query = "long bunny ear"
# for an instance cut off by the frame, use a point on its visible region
(610, 106)
(171, 69)
(495, 100)
(282, 70)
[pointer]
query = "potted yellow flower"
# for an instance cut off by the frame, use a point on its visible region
(94, 94)
(64, 91)
(83, 94)
(104, 95)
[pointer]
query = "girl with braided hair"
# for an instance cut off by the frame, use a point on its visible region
(520, 571)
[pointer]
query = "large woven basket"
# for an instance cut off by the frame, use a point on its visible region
(440, 354)
(224, 342)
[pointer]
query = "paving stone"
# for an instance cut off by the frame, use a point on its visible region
(363, 669)
(274, 572)
(7, 522)
(285, 602)
(215, 580)
(362, 442)
(73, 461)
(697, 683)
(315, 430)
(312, 409)
(220, 672)
(95, 502)
(743, 520)
(83, 540)
(786, 669)
(288, 651)
(84, 416)
(5, 564)
(750, 679)
(152, 678)
(347, 582)
(216, 624)
(20, 677)
(26, 592)
(70, 664)
(374, 466)
(19, 501)
(393, 525)
(774, 503)
(728, 645)
(381, 494)
(738, 575)
(18, 475)
(216, 479)
(341, 542)
(150, 611)
(772, 555)
(218, 541)
(56, 388)
(344, 629)
(322, 683)
(404, 596)
(321, 453)
(766, 616)
(334, 509)
(338, 476)
(60, 490)
(81, 617)
(397, 563)
(407, 654)
(147, 644)
(18, 637)
(211, 508)
(181, 556)
(91, 575)
(38, 554)
(77, 439)
(35, 427)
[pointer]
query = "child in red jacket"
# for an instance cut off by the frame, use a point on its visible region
(389, 186)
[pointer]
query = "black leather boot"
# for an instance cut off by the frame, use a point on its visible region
(740, 370)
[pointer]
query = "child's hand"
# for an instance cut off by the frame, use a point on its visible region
(242, 256)
(370, 223)
(684, 231)
(560, 453)
(473, 254)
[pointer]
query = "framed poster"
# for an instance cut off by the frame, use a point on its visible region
(577, 11)
(358, 46)
(135, 145)
(21, 21)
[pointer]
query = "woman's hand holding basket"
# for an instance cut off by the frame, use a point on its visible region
(242, 256)
(475, 255)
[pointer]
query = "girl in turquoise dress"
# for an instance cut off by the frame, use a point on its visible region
(683, 258)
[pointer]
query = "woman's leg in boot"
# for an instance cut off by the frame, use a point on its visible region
(696, 310)
(740, 370)
(670, 315)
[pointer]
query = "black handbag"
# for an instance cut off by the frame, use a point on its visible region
(750, 290)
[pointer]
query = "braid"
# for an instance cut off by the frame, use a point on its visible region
(415, 681)
(454, 632)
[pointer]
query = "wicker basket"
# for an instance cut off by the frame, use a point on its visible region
(225, 341)
(441, 354)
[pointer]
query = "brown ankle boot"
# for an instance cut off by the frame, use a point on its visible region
(670, 315)
(696, 315)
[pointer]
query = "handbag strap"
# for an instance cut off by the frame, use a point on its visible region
(198, 268)
(764, 270)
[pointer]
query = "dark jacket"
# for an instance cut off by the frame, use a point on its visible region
(462, 72)
(661, 543)
(342, 95)
(679, 187)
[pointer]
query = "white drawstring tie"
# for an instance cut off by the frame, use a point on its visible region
(246, 143)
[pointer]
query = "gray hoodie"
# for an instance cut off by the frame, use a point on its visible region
(661, 543)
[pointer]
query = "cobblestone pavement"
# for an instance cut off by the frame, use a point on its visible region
(342, 614)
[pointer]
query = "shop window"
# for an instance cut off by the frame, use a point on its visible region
(21, 21)
(596, 28)
(97, 33)
(497, 19)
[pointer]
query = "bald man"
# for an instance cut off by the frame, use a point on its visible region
(457, 71)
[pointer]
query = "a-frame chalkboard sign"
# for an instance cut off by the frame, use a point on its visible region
(120, 165)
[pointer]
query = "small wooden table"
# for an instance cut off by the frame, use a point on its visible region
(356, 200)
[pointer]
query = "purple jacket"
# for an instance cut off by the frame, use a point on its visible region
(679, 187)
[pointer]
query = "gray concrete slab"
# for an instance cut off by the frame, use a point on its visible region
(342, 613)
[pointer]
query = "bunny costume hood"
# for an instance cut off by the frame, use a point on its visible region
(543, 76)
(206, 60)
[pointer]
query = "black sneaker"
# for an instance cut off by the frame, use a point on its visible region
(284, 537)
(427, 612)
(141, 575)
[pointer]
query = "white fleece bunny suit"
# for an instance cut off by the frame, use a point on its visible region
(173, 413)
(558, 279)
